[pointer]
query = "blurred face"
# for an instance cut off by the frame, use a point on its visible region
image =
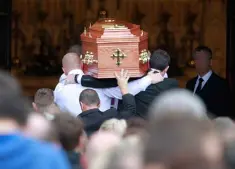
(202, 62)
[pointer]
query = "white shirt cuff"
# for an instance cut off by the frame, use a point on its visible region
(79, 78)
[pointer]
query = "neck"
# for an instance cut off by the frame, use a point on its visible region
(8, 126)
(163, 74)
(201, 74)
(90, 108)
(71, 69)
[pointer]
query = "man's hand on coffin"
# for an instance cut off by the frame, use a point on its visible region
(122, 80)
(155, 76)
(71, 79)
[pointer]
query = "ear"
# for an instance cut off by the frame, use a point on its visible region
(210, 62)
(63, 70)
(98, 104)
(81, 105)
(166, 69)
(35, 107)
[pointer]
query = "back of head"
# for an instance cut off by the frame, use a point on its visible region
(40, 128)
(89, 97)
(13, 105)
(114, 125)
(136, 123)
(136, 126)
(159, 60)
(70, 62)
(225, 127)
(75, 49)
(181, 141)
(127, 155)
(177, 101)
(69, 130)
(43, 98)
(224, 123)
(99, 143)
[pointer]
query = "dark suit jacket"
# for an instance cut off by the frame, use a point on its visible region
(215, 94)
(143, 99)
(93, 118)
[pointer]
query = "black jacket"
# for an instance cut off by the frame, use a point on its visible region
(93, 118)
(215, 94)
(143, 99)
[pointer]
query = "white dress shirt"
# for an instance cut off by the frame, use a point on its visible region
(67, 96)
(205, 79)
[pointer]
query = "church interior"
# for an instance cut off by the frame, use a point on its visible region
(40, 32)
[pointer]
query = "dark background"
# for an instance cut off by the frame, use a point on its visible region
(5, 31)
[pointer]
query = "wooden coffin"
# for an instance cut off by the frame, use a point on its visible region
(110, 45)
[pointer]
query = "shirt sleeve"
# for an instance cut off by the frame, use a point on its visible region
(134, 88)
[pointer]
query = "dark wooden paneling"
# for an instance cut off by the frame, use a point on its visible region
(231, 46)
(5, 33)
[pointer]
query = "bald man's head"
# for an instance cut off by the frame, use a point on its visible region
(70, 62)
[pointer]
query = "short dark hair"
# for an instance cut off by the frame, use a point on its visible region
(204, 49)
(69, 130)
(75, 49)
(13, 105)
(159, 60)
(136, 123)
(89, 97)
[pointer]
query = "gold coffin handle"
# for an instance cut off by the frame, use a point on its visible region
(88, 58)
(144, 56)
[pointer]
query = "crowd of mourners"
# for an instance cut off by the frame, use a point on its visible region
(122, 123)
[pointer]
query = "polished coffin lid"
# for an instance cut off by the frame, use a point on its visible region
(112, 30)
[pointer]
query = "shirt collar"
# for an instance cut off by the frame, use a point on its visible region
(85, 113)
(76, 71)
(206, 76)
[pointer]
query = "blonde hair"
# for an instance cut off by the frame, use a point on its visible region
(114, 125)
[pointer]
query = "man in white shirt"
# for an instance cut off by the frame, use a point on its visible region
(67, 96)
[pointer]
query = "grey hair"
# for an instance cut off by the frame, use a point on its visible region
(225, 128)
(224, 123)
(114, 125)
(177, 101)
